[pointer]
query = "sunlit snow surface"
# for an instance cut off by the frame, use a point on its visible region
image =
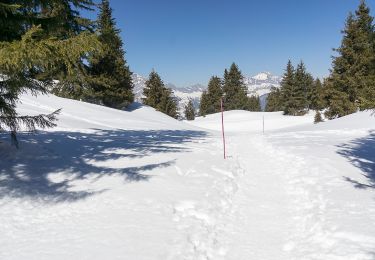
(136, 184)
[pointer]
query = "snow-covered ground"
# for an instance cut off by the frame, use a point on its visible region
(108, 184)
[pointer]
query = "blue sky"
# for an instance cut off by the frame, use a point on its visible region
(189, 41)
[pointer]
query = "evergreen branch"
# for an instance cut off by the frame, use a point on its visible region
(42, 121)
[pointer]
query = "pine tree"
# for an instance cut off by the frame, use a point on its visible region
(274, 100)
(153, 90)
(112, 84)
(254, 104)
(339, 103)
(203, 104)
(366, 86)
(24, 49)
(288, 98)
(189, 110)
(168, 103)
(351, 83)
(214, 94)
(235, 91)
(158, 96)
(303, 89)
(296, 90)
(316, 95)
(318, 117)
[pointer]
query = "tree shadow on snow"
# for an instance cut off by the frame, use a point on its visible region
(134, 106)
(27, 172)
(361, 153)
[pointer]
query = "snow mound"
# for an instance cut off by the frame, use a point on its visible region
(82, 115)
(251, 122)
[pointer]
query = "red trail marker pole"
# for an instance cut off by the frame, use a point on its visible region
(222, 125)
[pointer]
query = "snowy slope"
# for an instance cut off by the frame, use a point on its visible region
(109, 184)
(251, 122)
(82, 115)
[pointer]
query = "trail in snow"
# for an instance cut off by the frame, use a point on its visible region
(295, 208)
(207, 221)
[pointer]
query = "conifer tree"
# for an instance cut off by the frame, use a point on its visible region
(254, 104)
(351, 83)
(204, 104)
(190, 111)
(168, 104)
(366, 86)
(214, 94)
(25, 48)
(303, 89)
(316, 95)
(159, 97)
(153, 90)
(288, 97)
(295, 88)
(235, 91)
(318, 117)
(274, 101)
(111, 84)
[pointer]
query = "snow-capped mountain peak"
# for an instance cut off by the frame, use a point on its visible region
(262, 76)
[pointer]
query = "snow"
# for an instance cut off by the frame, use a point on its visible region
(262, 76)
(136, 184)
(243, 121)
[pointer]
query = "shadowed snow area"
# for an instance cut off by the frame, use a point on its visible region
(49, 163)
(137, 184)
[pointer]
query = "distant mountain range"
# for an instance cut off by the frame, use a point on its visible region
(259, 85)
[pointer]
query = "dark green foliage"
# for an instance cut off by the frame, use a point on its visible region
(351, 85)
(62, 18)
(168, 104)
(339, 103)
(287, 91)
(215, 93)
(318, 117)
(297, 89)
(23, 50)
(235, 91)
(189, 111)
(11, 21)
(158, 96)
(111, 83)
(211, 102)
(253, 104)
(204, 104)
(153, 90)
(274, 100)
(316, 96)
(304, 86)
